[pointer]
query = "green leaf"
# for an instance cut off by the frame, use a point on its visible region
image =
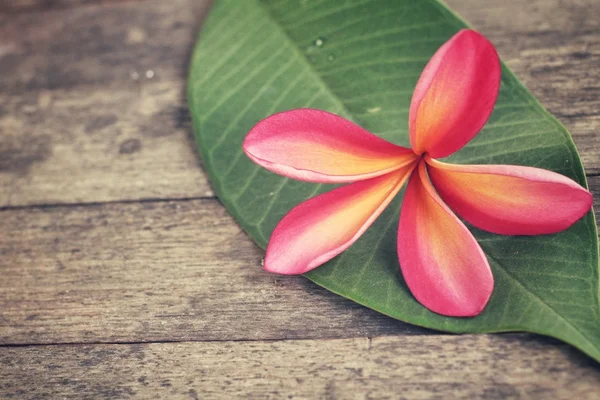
(361, 59)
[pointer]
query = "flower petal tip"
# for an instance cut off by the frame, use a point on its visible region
(459, 310)
(280, 267)
(318, 146)
(510, 199)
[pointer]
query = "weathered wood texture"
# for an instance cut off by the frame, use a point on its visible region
(91, 98)
(75, 94)
(92, 110)
(96, 45)
(156, 271)
(431, 367)
(98, 144)
(177, 270)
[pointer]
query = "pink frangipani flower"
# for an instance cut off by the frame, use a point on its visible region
(442, 263)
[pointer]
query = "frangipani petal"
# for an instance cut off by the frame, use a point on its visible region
(510, 200)
(455, 95)
(321, 228)
(317, 146)
(442, 264)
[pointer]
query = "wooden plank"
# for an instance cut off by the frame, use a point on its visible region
(98, 45)
(156, 271)
(423, 367)
(64, 141)
(180, 270)
(111, 143)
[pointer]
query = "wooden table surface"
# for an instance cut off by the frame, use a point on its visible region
(122, 276)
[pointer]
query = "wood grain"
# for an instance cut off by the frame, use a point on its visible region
(422, 367)
(120, 142)
(95, 45)
(156, 271)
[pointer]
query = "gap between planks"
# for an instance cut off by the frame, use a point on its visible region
(594, 186)
(109, 202)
